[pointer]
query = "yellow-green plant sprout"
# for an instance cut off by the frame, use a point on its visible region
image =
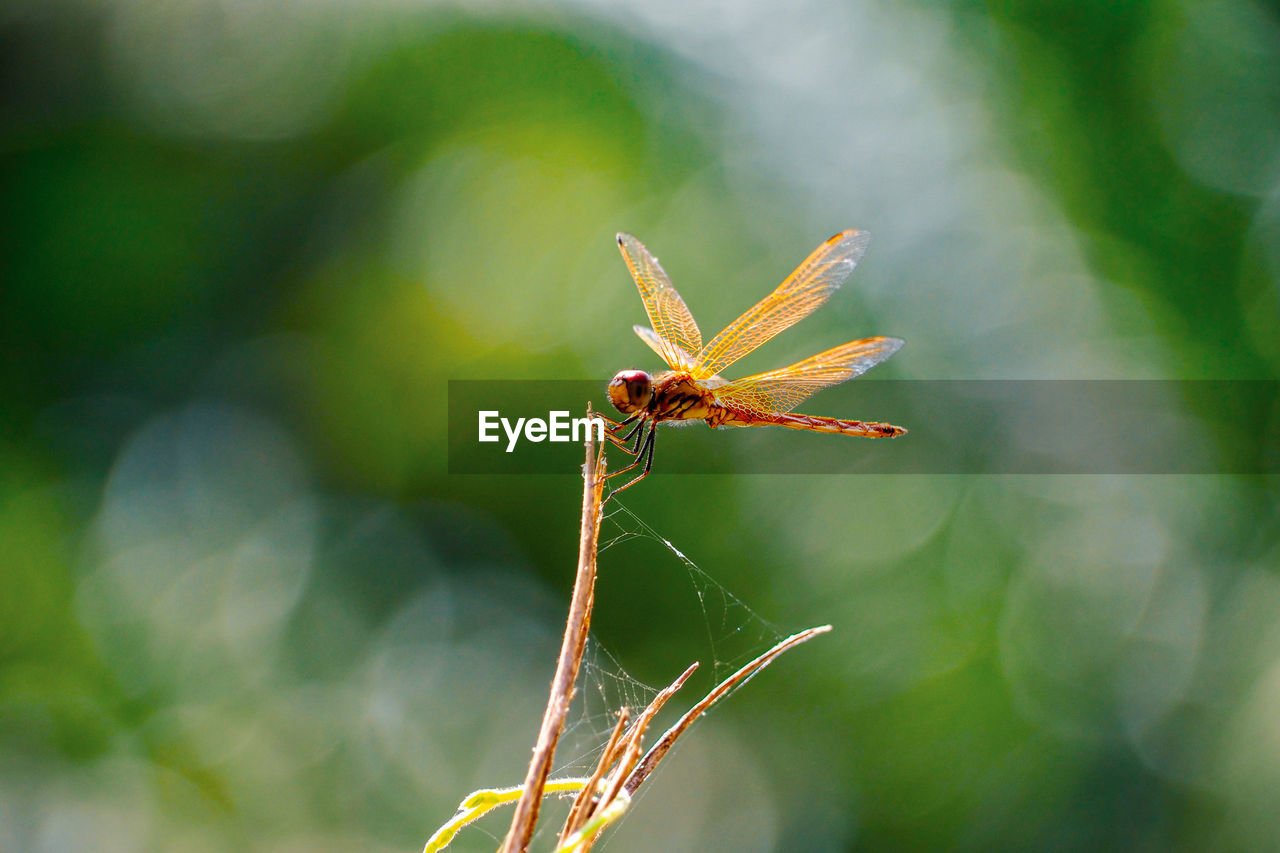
(479, 803)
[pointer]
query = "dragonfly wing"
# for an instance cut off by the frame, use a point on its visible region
(662, 347)
(796, 298)
(781, 390)
(672, 323)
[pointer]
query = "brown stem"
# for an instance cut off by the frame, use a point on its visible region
(630, 754)
(572, 648)
(579, 812)
(659, 749)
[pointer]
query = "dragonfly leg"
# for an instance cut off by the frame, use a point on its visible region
(614, 427)
(638, 453)
(616, 424)
(637, 431)
(645, 453)
(622, 442)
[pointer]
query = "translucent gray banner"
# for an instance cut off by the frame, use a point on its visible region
(955, 427)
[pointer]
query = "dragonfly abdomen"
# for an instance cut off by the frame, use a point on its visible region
(818, 423)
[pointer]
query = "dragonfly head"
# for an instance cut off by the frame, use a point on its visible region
(630, 391)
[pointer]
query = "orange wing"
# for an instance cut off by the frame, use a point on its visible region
(662, 348)
(796, 298)
(677, 333)
(783, 389)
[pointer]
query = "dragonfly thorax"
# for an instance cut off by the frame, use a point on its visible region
(630, 391)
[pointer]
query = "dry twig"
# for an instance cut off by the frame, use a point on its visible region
(659, 750)
(626, 753)
(572, 648)
(580, 811)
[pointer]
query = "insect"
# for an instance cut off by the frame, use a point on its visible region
(693, 388)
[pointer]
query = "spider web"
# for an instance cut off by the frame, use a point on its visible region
(734, 634)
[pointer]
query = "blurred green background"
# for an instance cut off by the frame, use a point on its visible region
(243, 606)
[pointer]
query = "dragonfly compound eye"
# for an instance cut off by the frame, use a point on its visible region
(629, 391)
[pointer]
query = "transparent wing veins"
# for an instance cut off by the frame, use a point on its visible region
(661, 347)
(797, 297)
(673, 325)
(783, 389)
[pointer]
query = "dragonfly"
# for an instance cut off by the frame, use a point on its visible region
(693, 389)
